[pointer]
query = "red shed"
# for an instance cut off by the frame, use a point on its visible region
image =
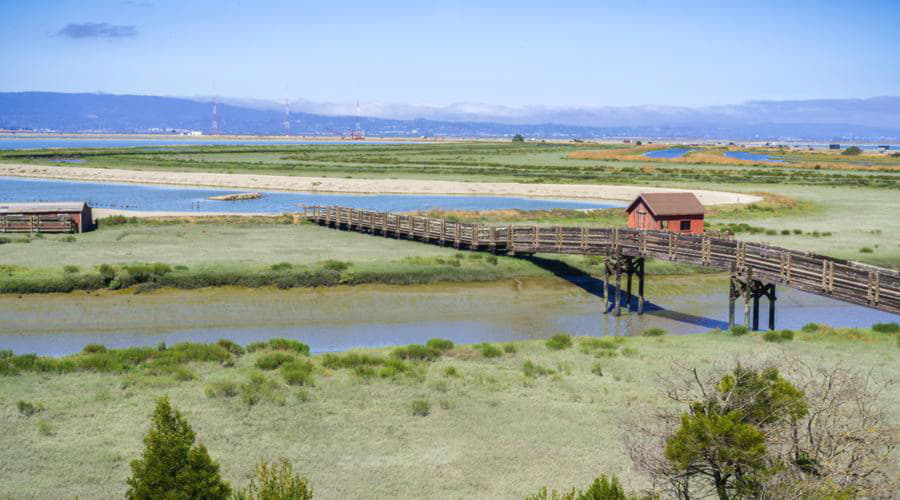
(676, 212)
(56, 217)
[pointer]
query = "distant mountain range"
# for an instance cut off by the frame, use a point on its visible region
(876, 119)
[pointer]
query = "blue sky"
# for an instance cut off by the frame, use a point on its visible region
(507, 53)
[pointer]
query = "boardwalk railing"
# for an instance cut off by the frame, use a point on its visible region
(37, 223)
(844, 280)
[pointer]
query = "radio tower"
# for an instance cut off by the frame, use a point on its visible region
(287, 118)
(215, 119)
(357, 115)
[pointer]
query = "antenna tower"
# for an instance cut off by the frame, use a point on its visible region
(357, 114)
(215, 119)
(287, 118)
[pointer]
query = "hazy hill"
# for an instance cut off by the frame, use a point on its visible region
(876, 119)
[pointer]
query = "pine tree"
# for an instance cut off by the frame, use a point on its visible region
(171, 467)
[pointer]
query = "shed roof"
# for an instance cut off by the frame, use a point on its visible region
(669, 204)
(56, 206)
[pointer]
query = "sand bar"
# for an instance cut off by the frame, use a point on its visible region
(360, 186)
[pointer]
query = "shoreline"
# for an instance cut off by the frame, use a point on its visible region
(329, 185)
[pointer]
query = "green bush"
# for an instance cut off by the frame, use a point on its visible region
(451, 371)
(532, 370)
(653, 332)
(171, 466)
(273, 360)
(281, 266)
(416, 352)
(510, 348)
(276, 482)
(222, 389)
(335, 265)
(630, 352)
(280, 344)
(28, 409)
(811, 327)
(260, 388)
(71, 269)
(852, 151)
(597, 370)
(892, 327)
(93, 348)
(350, 360)
(592, 344)
(440, 344)
(603, 488)
(420, 408)
(559, 342)
(491, 259)
(488, 350)
(778, 336)
(231, 347)
(298, 373)
(785, 232)
(865, 250)
(739, 330)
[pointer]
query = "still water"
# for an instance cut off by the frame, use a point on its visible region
(147, 197)
(746, 155)
(73, 142)
(340, 318)
(667, 153)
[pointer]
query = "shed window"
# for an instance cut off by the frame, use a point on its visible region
(685, 225)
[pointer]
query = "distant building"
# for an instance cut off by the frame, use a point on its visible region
(884, 147)
(57, 217)
(676, 212)
(834, 146)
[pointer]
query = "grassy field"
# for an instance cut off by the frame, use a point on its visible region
(494, 428)
(554, 163)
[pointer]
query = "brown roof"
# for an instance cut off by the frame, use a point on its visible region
(669, 204)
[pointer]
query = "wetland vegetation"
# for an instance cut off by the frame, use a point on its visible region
(400, 422)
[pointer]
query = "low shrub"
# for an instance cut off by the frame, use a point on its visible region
(442, 345)
(298, 373)
(93, 348)
(394, 368)
(533, 370)
(273, 360)
(350, 360)
(778, 336)
(630, 352)
(491, 259)
(488, 350)
(439, 385)
(335, 265)
(892, 327)
(865, 250)
(592, 344)
(280, 344)
(260, 388)
(811, 327)
(559, 342)
(785, 232)
(451, 371)
(417, 352)
(510, 348)
(28, 409)
(597, 370)
(222, 389)
(738, 330)
(653, 332)
(420, 408)
(71, 269)
(281, 266)
(231, 347)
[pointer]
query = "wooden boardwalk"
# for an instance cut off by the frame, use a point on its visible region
(755, 267)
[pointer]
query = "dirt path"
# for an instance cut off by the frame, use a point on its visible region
(360, 186)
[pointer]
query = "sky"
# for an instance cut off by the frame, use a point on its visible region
(522, 53)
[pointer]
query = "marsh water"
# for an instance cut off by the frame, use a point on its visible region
(146, 197)
(746, 155)
(100, 142)
(667, 153)
(339, 318)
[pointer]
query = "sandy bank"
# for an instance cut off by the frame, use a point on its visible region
(360, 186)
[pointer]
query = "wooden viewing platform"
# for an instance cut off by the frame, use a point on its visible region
(755, 268)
